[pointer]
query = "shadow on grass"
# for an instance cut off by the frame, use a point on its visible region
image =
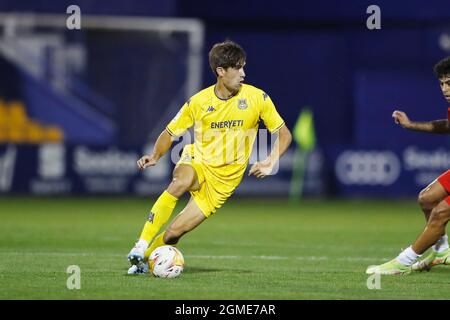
(194, 270)
(205, 270)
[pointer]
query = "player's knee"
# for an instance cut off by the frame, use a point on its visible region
(179, 185)
(425, 200)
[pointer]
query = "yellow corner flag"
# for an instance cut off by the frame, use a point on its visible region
(304, 133)
(305, 137)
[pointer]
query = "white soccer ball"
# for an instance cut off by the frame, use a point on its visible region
(166, 262)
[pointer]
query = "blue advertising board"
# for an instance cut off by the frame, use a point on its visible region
(52, 169)
(400, 172)
(61, 169)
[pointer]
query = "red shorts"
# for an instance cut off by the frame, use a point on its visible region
(444, 180)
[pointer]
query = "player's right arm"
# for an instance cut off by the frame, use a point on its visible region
(162, 144)
(179, 124)
(441, 126)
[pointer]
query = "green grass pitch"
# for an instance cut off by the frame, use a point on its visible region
(250, 249)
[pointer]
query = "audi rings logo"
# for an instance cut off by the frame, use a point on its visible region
(368, 167)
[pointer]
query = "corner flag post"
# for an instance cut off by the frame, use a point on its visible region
(305, 138)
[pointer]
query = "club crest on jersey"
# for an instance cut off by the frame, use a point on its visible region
(242, 104)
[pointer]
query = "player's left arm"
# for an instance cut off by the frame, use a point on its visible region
(273, 121)
(264, 168)
(441, 126)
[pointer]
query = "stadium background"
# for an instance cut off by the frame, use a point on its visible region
(109, 94)
(78, 107)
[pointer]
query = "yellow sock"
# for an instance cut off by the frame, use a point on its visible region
(158, 242)
(160, 213)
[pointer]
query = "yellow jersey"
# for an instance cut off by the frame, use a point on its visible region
(225, 130)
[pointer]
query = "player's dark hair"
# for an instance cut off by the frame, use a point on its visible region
(227, 54)
(442, 68)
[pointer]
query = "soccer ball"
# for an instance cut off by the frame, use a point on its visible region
(166, 262)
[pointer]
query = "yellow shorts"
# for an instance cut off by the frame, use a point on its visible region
(213, 192)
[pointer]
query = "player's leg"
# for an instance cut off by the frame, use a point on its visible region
(185, 221)
(431, 196)
(428, 199)
(434, 235)
(184, 179)
(435, 227)
(433, 231)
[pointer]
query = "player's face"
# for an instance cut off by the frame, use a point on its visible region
(233, 78)
(445, 86)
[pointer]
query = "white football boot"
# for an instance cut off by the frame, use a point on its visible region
(140, 268)
(136, 255)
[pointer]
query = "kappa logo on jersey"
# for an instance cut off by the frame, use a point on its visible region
(265, 96)
(242, 104)
(210, 109)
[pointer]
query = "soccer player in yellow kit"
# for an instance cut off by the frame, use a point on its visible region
(225, 118)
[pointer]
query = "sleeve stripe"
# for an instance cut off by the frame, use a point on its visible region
(278, 128)
(170, 132)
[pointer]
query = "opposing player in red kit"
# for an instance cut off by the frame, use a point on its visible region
(434, 199)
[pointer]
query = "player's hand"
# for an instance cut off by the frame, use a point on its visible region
(401, 118)
(146, 161)
(261, 169)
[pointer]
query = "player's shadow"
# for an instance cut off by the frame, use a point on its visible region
(194, 270)
(205, 270)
